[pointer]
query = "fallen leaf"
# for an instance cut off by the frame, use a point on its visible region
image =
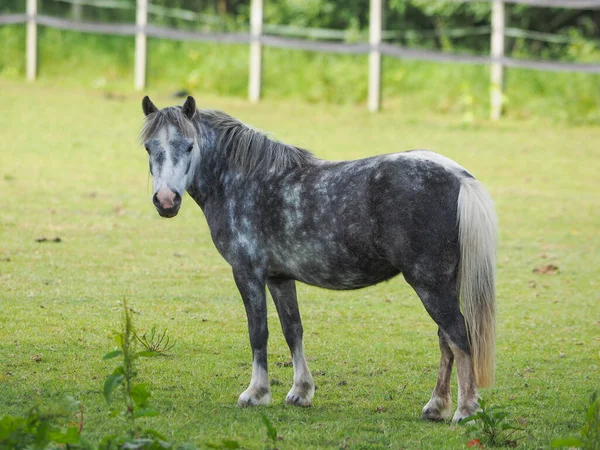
(549, 269)
(36, 358)
(475, 443)
(44, 239)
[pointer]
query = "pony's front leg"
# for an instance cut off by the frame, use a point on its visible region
(252, 290)
(284, 296)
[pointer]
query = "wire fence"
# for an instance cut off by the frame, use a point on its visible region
(377, 42)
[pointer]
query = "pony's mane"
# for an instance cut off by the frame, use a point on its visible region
(252, 150)
(248, 149)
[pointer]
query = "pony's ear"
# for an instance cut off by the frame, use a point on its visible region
(189, 107)
(148, 106)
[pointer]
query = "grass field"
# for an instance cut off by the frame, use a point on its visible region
(70, 168)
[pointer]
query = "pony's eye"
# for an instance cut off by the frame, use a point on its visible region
(190, 148)
(147, 149)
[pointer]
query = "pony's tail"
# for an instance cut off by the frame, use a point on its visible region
(477, 228)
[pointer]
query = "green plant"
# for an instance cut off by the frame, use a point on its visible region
(43, 428)
(590, 432)
(136, 395)
(156, 341)
(271, 431)
(490, 427)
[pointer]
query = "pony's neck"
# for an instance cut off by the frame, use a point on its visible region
(230, 151)
(249, 151)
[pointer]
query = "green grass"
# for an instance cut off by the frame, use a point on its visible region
(70, 168)
(106, 63)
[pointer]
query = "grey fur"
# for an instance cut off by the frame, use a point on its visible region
(278, 214)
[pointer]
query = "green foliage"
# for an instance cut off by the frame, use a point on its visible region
(104, 63)
(491, 426)
(271, 430)
(590, 432)
(42, 428)
(136, 395)
(156, 342)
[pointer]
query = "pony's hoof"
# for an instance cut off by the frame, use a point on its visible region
(437, 410)
(432, 415)
(301, 394)
(464, 412)
(254, 397)
(297, 400)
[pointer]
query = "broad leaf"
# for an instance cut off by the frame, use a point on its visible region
(140, 393)
(467, 420)
(111, 383)
(145, 413)
(119, 340)
(147, 354)
(508, 426)
(499, 416)
(70, 436)
(119, 371)
(112, 354)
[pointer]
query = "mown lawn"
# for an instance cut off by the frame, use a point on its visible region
(70, 168)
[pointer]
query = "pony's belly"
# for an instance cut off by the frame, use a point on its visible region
(351, 282)
(340, 276)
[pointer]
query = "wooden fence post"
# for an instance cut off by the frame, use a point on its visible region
(141, 20)
(375, 14)
(31, 56)
(497, 44)
(255, 75)
(76, 10)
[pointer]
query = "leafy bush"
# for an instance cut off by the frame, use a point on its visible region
(589, 435)
(490, 427)
(42, 428)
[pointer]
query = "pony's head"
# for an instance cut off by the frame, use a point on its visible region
(171, 140)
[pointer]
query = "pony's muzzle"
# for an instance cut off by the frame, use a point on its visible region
(167, 202)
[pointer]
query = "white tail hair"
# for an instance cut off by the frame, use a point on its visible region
(477, 228)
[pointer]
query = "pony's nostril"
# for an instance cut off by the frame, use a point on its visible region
(177, 199)
(155, 200)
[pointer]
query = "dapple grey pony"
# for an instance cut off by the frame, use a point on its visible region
(278, 215)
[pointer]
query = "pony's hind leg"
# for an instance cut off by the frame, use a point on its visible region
(443, 307)
(284, 296)
(440, 405)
